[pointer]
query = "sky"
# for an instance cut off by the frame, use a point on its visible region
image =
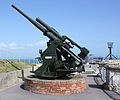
(90, 23)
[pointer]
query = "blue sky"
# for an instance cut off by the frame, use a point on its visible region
(90, 23)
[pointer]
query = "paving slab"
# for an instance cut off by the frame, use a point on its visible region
(93, 92)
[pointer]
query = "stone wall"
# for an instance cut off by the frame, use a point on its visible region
(12, 78)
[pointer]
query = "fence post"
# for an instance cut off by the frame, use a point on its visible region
(22, 71)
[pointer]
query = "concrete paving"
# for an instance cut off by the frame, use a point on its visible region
(93, 92)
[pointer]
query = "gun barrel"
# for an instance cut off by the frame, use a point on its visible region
(30, 19)
(50, 36)
(49, 28)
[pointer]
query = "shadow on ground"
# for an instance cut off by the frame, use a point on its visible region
(22, 86)
(95, 86)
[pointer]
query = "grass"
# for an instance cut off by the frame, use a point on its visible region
(11, 65)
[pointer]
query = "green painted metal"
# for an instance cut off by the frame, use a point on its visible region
(58, 60)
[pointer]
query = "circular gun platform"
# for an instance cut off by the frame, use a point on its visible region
(55, 87)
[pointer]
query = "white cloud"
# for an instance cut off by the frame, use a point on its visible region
(30, 45)
(12, 44)
(3, 45)
(41, 43)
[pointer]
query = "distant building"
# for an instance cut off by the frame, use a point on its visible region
(92, 59)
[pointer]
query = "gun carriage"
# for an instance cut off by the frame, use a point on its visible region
(57, 60)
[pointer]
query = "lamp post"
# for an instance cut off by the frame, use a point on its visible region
(110, 45)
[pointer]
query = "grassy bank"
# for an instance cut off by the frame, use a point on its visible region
(10, 65)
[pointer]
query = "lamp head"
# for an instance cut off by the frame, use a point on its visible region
(110, 44)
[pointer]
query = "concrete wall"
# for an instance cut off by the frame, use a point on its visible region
(12, 78)
(111, 76)
(115, 61)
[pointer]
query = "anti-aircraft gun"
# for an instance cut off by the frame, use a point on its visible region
(58, 59)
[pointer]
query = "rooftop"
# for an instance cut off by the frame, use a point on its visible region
(93, 91)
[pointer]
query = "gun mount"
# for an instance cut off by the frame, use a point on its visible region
(58, 59)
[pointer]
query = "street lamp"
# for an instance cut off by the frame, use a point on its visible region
(110, 45)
